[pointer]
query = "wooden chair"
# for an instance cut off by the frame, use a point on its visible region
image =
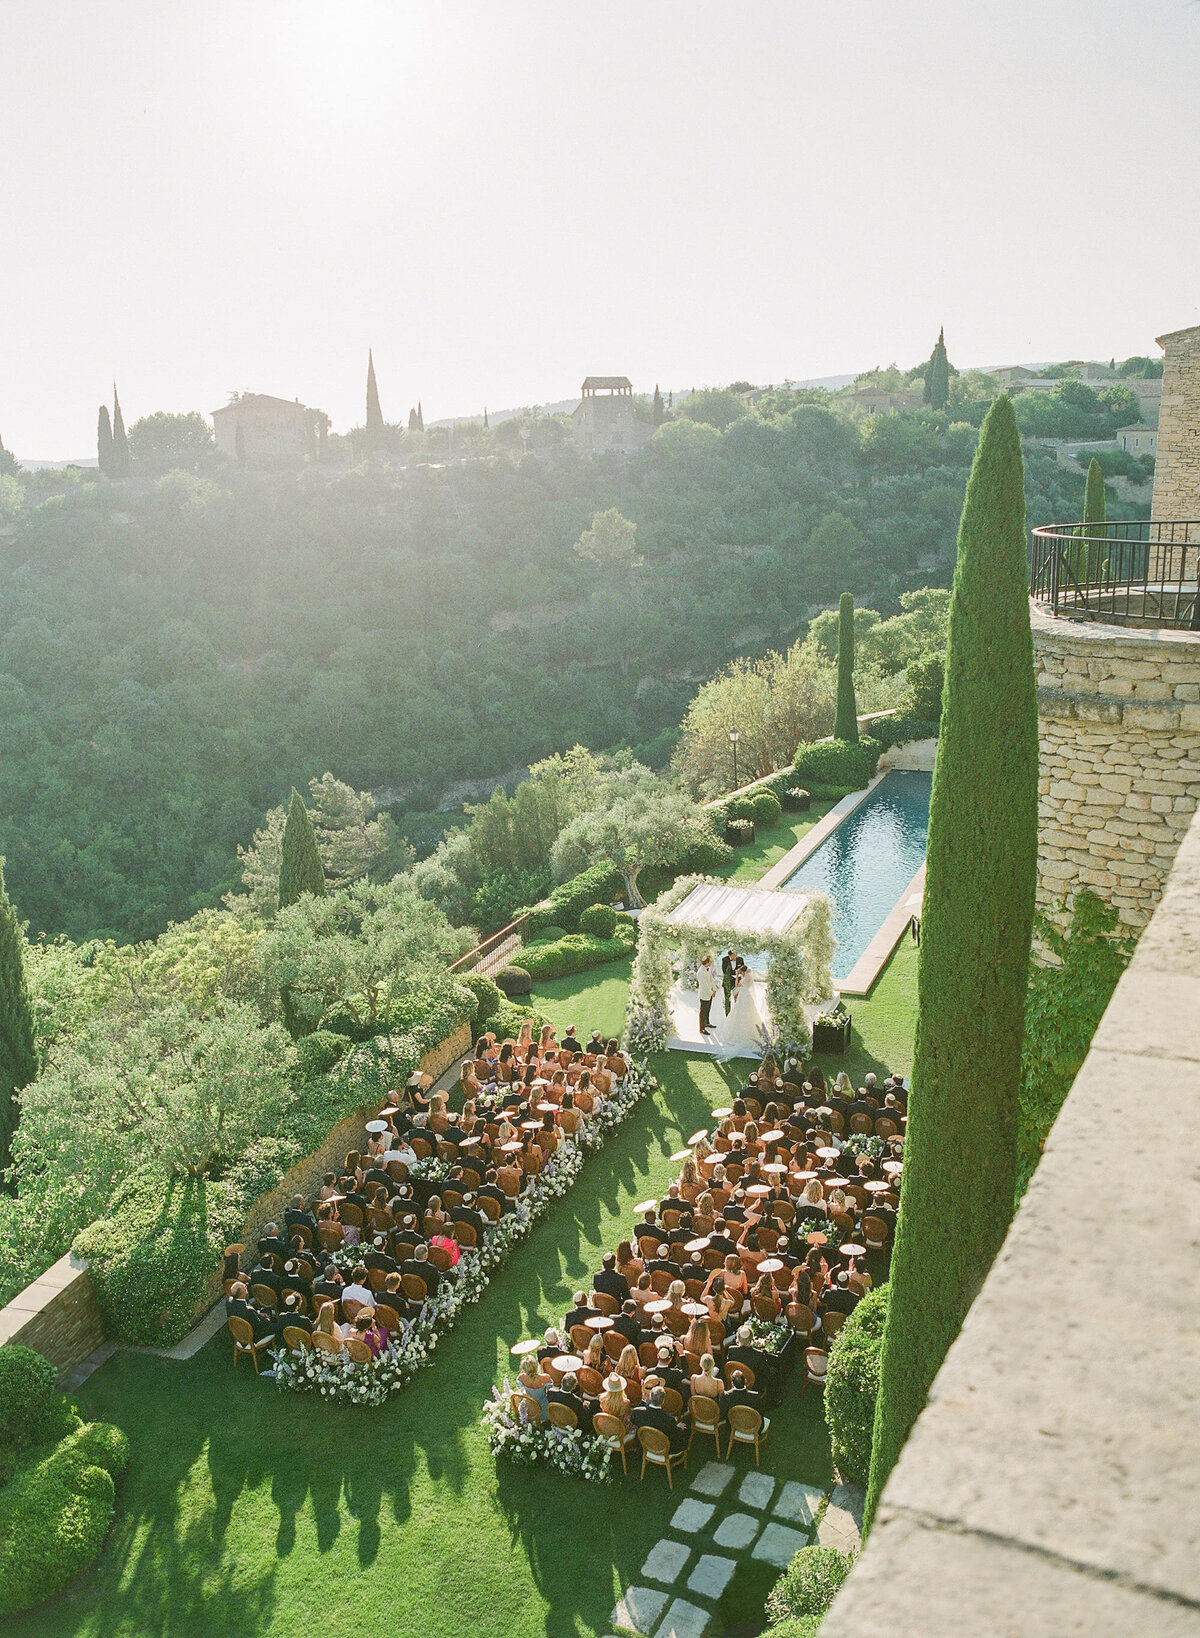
(671, 1218)
(673, 1402)
(677, 1323)
(860, 1125)
(489, 1207)
(420, 1146)
(377, 1279)
(297, 1340)
(591, 1381)
(264, 1296)
(451, 1197)
(745, 1370)
(612, 1431)
(801, 1319)
(765, 1308)
(388, 1317)
(562, 1416)
(528, 1409)
(358, 1351)
(604, 1304)
(656, 1449)
(325, 1344)
(581, 1337)
(413, 1287)
(440, 1258)
(447, 1152)
(648, 1353)
(330, 1236)
(397, 1170)
(350, 1214)
(648, 1245)
(746, 1427)
(842, 1222)
(886, 1127)
(465, 1234)
(831, 1322)
(351, 1309)
(661, 1281)
(875, 1233)
(243, 1340)
(837, 1120)
(705, 1414)
(615, 1345)
(816, 1364)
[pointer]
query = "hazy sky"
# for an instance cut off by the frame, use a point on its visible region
(503, 197)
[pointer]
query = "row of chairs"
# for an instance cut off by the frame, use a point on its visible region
(745, 1426)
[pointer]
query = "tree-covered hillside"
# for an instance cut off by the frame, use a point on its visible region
(177, 652)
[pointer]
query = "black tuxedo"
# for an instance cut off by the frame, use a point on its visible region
(268, 1276)
(301, 1219)
(330, 1289)
(626, 1325)
(611, 1284)
(760, 1363)
(723, 1244)
(423, 1271)
(259, 1323)
(577, 1316)
(740, 1396)
(271, 1245)
(840, 1300)
(291, 1317)
(672, 1377)
(380, 1261)
(575, 1402)
(489, 1191)
(653, 1416)
(469, 1216)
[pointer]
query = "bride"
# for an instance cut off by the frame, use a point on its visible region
(745, 1021)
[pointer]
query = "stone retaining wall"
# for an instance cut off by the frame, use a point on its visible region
(1119, 729)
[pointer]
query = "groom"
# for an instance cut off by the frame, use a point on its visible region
(728, 974)
(708, 989)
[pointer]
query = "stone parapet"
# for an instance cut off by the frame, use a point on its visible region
(57, 1315)
(1119, 753)
(1051, 1486)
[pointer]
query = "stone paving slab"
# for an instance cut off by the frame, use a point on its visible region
(666, 1560)
(691, 1516)
(736, 1531)
(711, 1576)
(851, 1497)
(683, 1620)
(756, 1490)
(798, 1504)
(838, 1529)
(639, 1608)
(779, 1544)
(713, 1478)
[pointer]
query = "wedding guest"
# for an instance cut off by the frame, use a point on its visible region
(706, 1382)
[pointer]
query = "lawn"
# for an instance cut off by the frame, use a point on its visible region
(748, 863)
(249, 1512)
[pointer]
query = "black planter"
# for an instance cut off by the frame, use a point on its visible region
(797, 800)
(739, 832)
(832, 1038)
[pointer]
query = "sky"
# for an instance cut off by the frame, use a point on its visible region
(502, 198)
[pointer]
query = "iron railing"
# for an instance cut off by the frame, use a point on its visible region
(1133, 574)
(495, 952)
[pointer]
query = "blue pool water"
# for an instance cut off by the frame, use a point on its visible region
(868, 861)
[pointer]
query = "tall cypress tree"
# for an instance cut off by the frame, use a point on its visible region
(973, 964)
(1095, 514)
(300, 867)
(937, 375)
(375, 432)
(412, 420)
(120, 448)
(18, 1053)
(657, 412)
(104, 443)
(845, 721)
(420, 417)
(485, 419)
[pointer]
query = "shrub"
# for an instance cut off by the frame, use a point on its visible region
(796, 1626)
(924, 679)
(514, 981)
(600, 919)
(902, 730)
(835, 762)
(551, 934)
(317, 1053)
(505, 1023)
(739, 807)
(809, 1584)
(27, 1395)
(575, 953)
(852, 1386)
(571, 898)
(55, 1513)
(488, 997)
(766, 809)
(499, 896)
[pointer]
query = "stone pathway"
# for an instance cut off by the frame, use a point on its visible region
(729, 1514)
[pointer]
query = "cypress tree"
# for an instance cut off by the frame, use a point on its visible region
(845, 721)
(1095, 511)
(937, 375)
(104, 443)
(485, 419)
(300, 867)
(120, 448)
(973, 964)
(656, 410)
(374, 413)
(420, 417)
(412, 420)
(18, 1053)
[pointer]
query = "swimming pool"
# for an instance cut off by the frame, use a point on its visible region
(867, 862)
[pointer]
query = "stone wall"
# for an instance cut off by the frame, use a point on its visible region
(1119, 728)
(1177, 464)
(57, 1315)
(1051, 1486)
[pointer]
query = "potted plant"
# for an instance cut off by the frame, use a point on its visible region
(739, 832)
(831, 1031)
(797, 800)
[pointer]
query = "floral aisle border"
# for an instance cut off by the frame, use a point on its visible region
(799, 970)
(340, 1380)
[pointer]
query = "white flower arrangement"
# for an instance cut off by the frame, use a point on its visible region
(338, 1378)
(647, 1026)
(570, 1451)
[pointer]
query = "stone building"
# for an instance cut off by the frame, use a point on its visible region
(605, 418)
(1116, 638)
(272, 429)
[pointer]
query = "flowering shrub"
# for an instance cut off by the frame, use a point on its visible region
(647, 1026)
(531, 1444)
(339, 1379)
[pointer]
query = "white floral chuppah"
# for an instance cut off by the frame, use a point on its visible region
(699, 915)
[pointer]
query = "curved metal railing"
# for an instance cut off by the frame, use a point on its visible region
(1143, 573)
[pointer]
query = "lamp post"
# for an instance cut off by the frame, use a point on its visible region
(734, 736)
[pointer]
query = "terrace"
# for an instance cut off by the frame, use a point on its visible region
(1128, 574)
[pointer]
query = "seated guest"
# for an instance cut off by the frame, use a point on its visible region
(743, 1352)
(489, 1189)
(296, 1281)
(391, 1294)
(609, 1281)
(264, 1274)
(358, 1290)
(469, 1214)
(662, 1263)
(331, 1284)
(626, 1324)
(402, 1150)
(239, 1306)
(668, 1373)
(377, 1257)
(293, 1314)
(271, 1242)
(551, 1345)
(765, 1295)
(580, 1312)
(696, 1341)
(643, 1292)
(629, 1366)
(420, 1265)
(298, 1216)
(740, 1394)
(613, 1400)
(652, 1414)
(571, 1041)
(596, 1355)
(327, 1323)
(706, 1382)
(628, 1265)
(569, 1396)
(840, 1297)
(531, 1379)
(367, 1331)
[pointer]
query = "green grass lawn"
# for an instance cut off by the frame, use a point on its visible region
(246, 1511)
(748, 863)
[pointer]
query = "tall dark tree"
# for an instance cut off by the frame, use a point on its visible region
(18, 1052)
(420, 417)
(657, 411)
(120, 445)
(973, 964)
(300, 867)
(845, 721)
(375, 429)
(104, 442)
(1090, 556)
(412, 420)
(937, 375)
(485, 419)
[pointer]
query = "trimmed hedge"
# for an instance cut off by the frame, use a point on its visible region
(488, 997)
(570, 899)
(891, 731)
(514, 980)
(505, 1023)
(317, 1053)
(27, 1395)
(600, 919)
(836, 762)
(852, 1386)
(809, 1584)
(55, 1513)
(575, 953)
(765, 809)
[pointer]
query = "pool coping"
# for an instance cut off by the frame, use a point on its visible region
(875, 957)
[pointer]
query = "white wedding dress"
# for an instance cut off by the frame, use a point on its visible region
(745, 1024)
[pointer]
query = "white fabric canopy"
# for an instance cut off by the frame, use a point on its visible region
(745, 910)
